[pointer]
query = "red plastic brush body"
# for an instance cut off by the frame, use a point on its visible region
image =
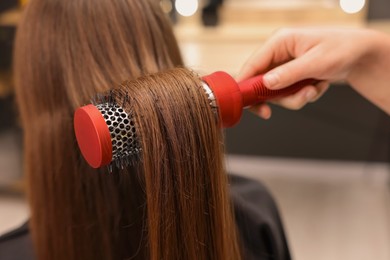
(253, 90)
(232, 97)
(94, 136)
(228, 97)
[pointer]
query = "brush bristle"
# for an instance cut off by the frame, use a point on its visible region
(125, 144)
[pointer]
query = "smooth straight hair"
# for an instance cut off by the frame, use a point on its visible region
(173, 202)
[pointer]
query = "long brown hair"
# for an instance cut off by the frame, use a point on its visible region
(173, 204)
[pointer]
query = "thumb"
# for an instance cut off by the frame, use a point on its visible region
(289, 73)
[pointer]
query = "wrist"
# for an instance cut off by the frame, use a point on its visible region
(373, 50)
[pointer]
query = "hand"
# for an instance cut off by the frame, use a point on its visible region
(292, 55)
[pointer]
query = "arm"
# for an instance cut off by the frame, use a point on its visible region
(360, 57)
(371, 74)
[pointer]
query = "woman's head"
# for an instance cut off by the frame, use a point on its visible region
(66, 52)
(74, 48)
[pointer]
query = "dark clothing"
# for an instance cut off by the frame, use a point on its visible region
(16, 245)
(258, 221)
(256, 214)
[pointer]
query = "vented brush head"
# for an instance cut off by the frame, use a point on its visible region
(106, 134)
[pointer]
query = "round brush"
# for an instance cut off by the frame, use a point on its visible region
(106, 133)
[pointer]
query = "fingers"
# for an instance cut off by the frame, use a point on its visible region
(287, 58)
(262, 110)
(257, 63)
(296, 101)
(321, 88)
(291, 72)
(276, 50)
(306, 95)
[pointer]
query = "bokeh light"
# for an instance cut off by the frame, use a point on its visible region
(352, 6)
(186, 7)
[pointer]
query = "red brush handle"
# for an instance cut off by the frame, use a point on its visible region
(253, 90)
(232, 97)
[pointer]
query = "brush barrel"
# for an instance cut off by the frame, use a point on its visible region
(106, 134)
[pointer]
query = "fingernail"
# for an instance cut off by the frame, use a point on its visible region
(310, 94)
(264, 112)
(270, 80)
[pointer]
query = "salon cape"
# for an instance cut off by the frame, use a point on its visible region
(257, 218)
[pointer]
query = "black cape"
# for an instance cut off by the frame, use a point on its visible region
(257, 218)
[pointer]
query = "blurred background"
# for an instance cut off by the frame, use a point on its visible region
(327, 165)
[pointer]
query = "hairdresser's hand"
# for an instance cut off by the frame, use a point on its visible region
(291, 55)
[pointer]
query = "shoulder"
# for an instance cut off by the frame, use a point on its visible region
(16, 245)
(256, 213)
(258, 220)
